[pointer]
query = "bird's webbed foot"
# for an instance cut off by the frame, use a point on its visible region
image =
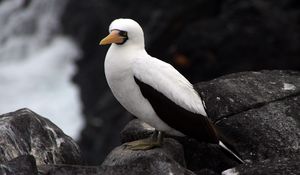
(145, 144)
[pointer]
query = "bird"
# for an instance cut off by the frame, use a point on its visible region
(154, 91)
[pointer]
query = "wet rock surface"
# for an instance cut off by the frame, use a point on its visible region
(24, 132)
(29, 141)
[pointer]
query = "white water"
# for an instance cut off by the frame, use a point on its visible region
(37, 63)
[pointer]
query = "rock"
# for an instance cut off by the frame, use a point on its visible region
(203, 39)
(24, 132)
(266, 132)
(22, 165)
(257, 111)
(235, 93)
(135, 130)
(276, 166)
(206, 172)
(166, 160)
(259, 114)
(69, 170)
(197, 155)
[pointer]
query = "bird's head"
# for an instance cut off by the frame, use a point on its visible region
(124, 32)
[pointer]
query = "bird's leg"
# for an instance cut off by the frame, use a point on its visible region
(144, 144)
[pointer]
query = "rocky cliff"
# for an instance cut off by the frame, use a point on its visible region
(259, 112)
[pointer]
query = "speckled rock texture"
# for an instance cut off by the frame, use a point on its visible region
(235, 93)
(277, 166)
(258, 111)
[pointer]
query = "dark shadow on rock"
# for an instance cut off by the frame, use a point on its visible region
(22, 165)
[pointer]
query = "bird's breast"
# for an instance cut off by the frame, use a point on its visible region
(126, 91)
(120, 79)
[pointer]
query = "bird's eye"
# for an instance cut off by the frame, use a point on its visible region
(123, 33)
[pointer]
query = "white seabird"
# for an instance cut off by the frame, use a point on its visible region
(154, 91)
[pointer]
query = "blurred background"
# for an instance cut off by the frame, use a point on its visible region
(50, 60)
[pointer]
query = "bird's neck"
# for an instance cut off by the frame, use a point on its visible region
(127, 47)
(121, 58)
(126, 53)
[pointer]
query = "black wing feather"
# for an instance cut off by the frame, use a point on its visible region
(180, 119)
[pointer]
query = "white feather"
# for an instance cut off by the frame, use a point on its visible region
(120, 78)
(231, 152)
(166, 79)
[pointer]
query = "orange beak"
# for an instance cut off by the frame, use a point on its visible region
(113, 37)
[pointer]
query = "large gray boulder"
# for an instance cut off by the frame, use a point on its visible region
(24, 132)
(258, 111)
(239, 92)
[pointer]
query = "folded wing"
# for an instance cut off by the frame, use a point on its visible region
(173, 98)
